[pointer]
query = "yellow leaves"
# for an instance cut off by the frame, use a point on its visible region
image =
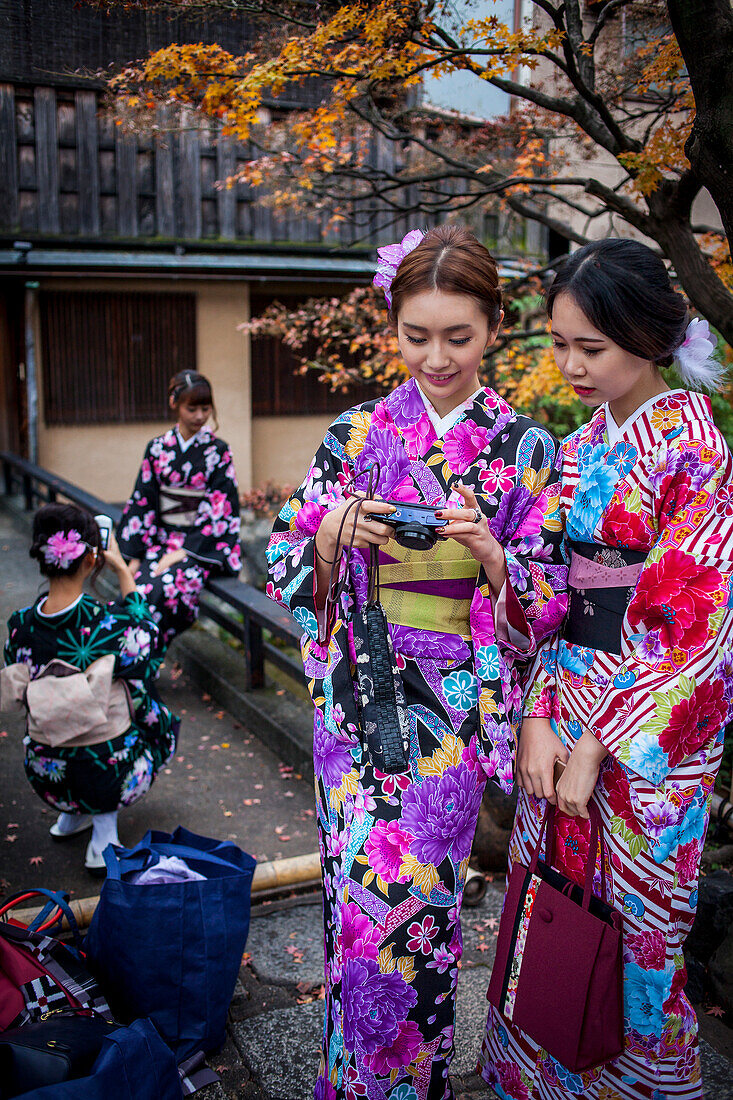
(663, 154)
(448, 755)
(406, 967)
(717, 252)
(386, 962)
(357, 434)
(348, 787)
(424, 875)
(528, 378)
(487, 702)
(663, 72)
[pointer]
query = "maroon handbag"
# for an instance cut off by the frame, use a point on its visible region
(558, 968)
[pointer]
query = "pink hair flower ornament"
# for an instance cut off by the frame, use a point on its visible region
(390, 256)
(63, 548)
(695, 362)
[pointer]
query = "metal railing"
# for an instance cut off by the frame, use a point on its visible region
(239, 608)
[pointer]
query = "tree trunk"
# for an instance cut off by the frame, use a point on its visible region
(704, 31)
(708, 294)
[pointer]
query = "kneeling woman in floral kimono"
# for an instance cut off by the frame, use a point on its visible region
(639, 684)
(71, 655)
(464, 618)
(181, 523)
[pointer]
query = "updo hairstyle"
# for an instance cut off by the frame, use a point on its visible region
(624, 290)
(53, 519)
(451, 259)
(190, 386)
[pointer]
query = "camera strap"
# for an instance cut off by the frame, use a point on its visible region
(380, 696)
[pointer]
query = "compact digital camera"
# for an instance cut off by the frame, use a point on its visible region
(414, 525)
(105, 525)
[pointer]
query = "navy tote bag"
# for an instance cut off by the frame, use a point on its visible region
(172, 951)
(133, 1064)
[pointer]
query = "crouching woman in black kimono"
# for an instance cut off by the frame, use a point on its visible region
(96, 732)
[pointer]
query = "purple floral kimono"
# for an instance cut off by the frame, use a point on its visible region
(184, 498)
(395, 848)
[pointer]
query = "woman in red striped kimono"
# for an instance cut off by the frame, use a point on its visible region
(634, 695)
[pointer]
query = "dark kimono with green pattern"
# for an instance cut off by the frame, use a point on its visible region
(103, 777)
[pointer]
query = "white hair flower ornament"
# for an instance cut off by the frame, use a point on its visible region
(694, 357)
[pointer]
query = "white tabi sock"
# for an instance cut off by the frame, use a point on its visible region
(104, 831)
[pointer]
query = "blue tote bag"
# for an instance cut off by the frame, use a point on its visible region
(133, 1064)
(172, 951)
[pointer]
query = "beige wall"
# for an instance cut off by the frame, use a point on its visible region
(104, 459)
(283, 447)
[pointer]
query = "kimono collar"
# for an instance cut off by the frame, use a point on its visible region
(406, 406)
(56, 614)
(615, 431)
(442, 424)
(696, 407)
(199, 437)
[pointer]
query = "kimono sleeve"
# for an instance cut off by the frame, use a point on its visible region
(214, 537)
(10, 649)
(671, 696)
(138, 530)
(532, 536)
(132, 635)
(291, 550)
(541, 698)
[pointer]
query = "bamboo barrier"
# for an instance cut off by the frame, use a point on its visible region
(276, 874)
(272, 875)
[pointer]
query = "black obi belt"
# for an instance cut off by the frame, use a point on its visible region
(601, 583)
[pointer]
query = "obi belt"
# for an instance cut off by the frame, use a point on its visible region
(601, 583)
(178, 506)
(428, 589)
(66, 706)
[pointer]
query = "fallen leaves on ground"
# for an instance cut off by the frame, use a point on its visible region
(309, 992)
(35, 861)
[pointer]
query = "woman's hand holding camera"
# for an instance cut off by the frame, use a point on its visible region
(113, 558)
(366, 531)
(470, 527)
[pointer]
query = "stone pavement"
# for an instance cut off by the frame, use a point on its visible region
(224, 782)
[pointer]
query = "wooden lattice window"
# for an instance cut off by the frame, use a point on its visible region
(278, 389)
(107, 358)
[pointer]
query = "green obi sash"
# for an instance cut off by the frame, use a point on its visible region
(428, 589)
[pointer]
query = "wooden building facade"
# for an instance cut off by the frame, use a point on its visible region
(122, 262)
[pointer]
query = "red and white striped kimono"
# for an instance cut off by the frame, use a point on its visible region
(660, 484)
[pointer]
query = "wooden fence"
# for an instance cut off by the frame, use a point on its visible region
(68, 173)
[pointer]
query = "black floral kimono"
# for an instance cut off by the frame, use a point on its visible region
(395, 848)
(185, 497)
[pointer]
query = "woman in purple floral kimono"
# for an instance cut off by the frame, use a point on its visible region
(465, 617)
(182, 521)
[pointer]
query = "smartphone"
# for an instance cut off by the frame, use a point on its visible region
(104, 523)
